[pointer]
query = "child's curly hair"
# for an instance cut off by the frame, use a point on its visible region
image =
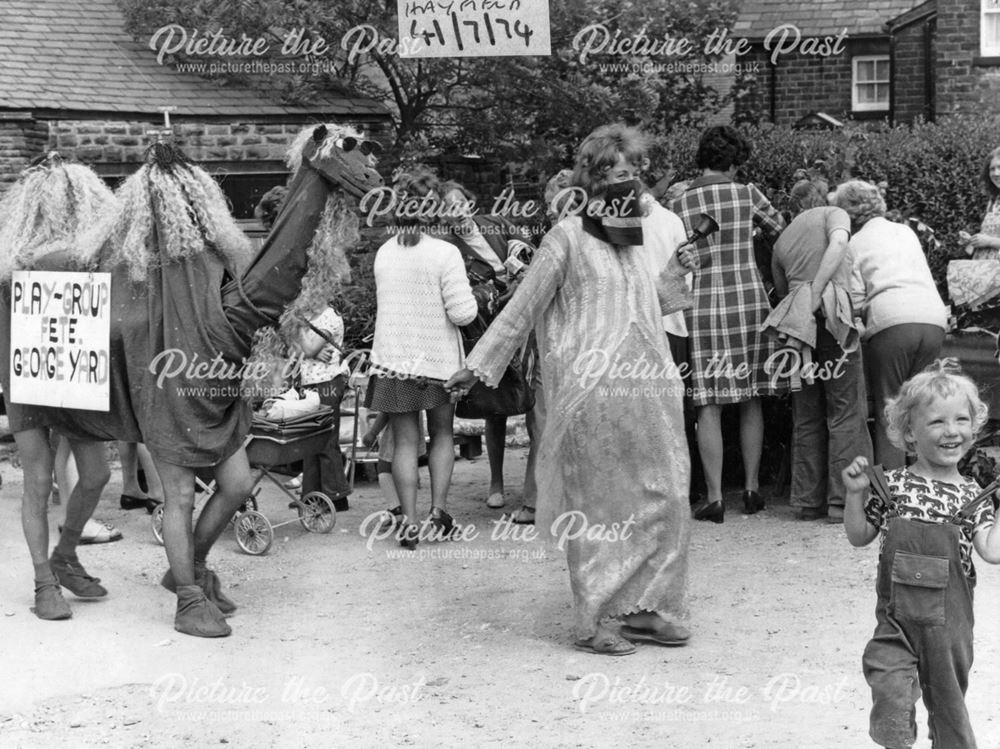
(941, 379)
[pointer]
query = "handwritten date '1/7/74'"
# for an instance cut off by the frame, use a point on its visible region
(492, 31)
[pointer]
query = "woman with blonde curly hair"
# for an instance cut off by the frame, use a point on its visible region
(892, 289)
(591, 298)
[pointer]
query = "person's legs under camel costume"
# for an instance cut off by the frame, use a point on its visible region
(41, 215)
(201, 604)
(63, 568)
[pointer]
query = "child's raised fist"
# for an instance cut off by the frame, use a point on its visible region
(855, 478)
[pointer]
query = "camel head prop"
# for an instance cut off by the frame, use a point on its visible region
(304, 258)
(341, 154)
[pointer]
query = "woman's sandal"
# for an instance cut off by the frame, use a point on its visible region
(524, 516)
(669, 635)
(96, 532)
(605, 643)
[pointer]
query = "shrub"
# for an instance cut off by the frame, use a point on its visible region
(932, 169)
(356, 300)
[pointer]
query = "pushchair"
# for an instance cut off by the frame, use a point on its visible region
(271, 446)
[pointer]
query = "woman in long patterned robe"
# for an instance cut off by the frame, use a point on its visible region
(613, 465)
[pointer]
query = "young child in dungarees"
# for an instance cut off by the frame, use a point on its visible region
(922, 643)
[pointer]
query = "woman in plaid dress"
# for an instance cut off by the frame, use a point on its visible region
(728, 352)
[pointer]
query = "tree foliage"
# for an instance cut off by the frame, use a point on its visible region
(534, 109)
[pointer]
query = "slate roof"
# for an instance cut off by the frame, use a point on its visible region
(75, 55)
(818, 17)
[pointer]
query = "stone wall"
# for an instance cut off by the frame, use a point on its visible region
(114, 148)
(103, 142)
(22, 138)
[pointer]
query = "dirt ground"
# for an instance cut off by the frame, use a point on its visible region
(463, 644)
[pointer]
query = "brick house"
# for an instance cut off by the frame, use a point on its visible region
(835, 58)
(900, 60)
(946, 59)
(72, 79)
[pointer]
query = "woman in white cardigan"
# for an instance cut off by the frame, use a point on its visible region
(904, 318)
(423, 296)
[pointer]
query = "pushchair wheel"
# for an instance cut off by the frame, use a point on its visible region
(317, 513)
(156, 520)
(254, 533)
(250, 503)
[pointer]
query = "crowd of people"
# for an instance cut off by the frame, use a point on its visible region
(621, 279)
(856, 298)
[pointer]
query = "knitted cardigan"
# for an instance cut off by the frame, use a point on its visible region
(423, 294)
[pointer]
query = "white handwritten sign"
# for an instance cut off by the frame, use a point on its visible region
(473, 28)
(59, 339)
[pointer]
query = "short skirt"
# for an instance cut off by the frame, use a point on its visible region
(394, 395)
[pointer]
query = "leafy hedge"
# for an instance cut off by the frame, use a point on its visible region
(932, 169)
(356, 300)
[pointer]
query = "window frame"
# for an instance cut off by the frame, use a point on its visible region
(985, 49)
(859, 106)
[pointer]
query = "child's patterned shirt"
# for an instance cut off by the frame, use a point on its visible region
(917, 498)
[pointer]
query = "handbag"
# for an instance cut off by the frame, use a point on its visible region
(512, 397)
